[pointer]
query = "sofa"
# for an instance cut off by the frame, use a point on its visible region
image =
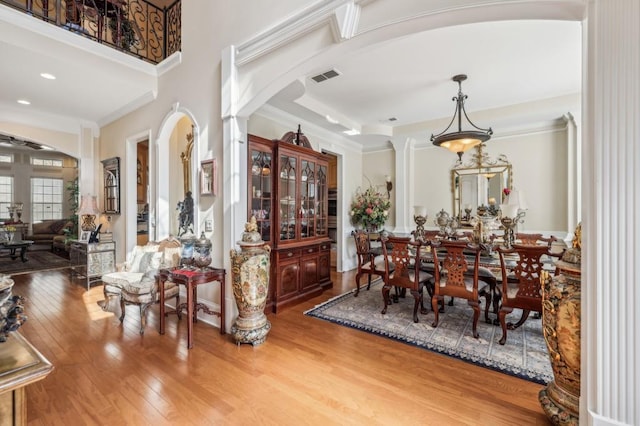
(48, 231)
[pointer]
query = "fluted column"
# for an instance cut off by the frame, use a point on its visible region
(610, 377)
(403, 183)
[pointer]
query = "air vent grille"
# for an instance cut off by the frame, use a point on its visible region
(325, 76)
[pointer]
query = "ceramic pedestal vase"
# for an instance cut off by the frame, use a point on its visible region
(250, 269)
(561, 324)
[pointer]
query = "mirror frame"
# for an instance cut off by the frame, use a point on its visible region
(111, 171)
(479, 165)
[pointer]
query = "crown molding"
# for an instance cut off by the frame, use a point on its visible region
(342, 16)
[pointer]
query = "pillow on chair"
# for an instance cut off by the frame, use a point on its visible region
(132, 264)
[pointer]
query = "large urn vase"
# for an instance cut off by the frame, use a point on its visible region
(561, 326)
(250, 267)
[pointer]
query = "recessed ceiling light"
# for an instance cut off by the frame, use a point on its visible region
(351, 132)
(47, 76)
(24, 102)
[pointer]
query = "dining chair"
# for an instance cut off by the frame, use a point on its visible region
(534, 239)
(400, 258)
(369, 262)
(521, 286)
(455, 277)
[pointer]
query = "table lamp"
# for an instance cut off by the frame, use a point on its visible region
(88, 212)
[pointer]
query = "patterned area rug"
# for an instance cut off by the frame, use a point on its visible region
(524, 354)
(37, 261)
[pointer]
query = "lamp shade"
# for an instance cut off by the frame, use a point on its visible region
(88, 211)
(88, 205)
(509, 210)
(516, 197)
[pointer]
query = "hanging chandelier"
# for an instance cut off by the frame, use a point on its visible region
(461, 140)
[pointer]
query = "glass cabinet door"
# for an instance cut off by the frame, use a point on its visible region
(260, 165)
(308, 199)
(322, 203)
(287, 194)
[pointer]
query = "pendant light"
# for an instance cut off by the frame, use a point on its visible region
(461, 140)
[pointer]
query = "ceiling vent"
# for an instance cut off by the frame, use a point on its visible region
(325, 76)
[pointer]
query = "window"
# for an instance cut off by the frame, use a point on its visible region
(6, 158)
(46, 198)
(46, 162)
(6, 195)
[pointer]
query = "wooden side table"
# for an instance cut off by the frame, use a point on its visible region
(191, 279)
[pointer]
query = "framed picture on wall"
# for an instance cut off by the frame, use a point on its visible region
(84, 236)
(208, 172)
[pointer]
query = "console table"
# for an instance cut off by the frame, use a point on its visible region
(20, 365)
(191, 278)
(92, 260)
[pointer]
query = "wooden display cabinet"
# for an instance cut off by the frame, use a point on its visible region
(288, 194)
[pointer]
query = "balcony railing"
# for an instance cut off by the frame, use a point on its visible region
(136, 27)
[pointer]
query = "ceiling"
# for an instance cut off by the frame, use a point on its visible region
(508, 63)
(410, 79)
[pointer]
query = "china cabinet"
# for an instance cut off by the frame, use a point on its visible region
(288, 196)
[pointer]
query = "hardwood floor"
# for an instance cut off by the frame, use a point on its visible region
(309, 371)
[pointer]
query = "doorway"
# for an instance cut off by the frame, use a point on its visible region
(142, 192)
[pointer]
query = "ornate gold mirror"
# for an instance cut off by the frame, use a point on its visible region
(479, 182)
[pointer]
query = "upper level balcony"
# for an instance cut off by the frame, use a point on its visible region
(149, 31)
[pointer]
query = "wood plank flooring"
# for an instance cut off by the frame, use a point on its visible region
(308, 372)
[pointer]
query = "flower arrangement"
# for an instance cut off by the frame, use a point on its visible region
(370, 208)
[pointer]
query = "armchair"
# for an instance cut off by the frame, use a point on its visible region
(135, 282)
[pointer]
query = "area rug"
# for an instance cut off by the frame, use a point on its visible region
(38, 261)
(524, 355)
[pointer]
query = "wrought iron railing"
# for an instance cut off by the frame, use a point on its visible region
(136, 27)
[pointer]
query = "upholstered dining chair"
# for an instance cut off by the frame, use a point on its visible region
(369, 262)
(521, 286)
(453, 276)
(400, 258)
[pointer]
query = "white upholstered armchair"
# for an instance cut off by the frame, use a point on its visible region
(134, 283)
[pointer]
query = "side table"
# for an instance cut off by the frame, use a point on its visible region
(92, 260)
(191, 278)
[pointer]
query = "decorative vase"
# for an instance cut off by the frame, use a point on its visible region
(561, 326)
(188, 241)
(250, 268)
(202, 252)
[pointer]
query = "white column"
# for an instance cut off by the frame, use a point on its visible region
(234, 171)
(574, 171)
(610, 379)
(402, 186)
